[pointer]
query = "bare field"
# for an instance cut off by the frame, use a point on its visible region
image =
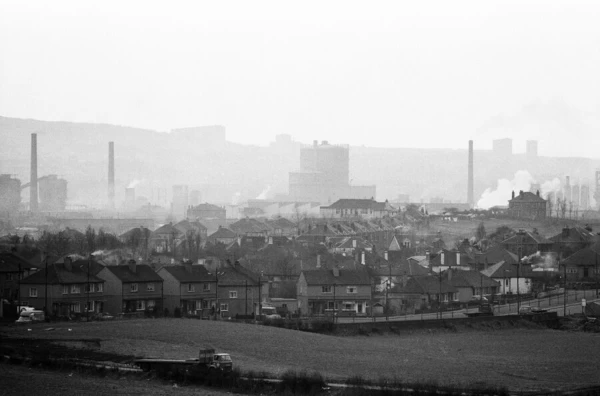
(521, 359)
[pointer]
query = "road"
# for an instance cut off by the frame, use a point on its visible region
(553, 303)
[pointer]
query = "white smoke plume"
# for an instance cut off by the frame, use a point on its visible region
(263, 194)
(503, 192)
(550, 186)
(134, 183)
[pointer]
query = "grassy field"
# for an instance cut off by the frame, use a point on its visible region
(521, 359)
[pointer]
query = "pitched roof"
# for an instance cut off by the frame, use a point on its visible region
(527, 197)
(346, 277)
(247, 225)
(574, 234)
(470, 279)
(12, 262)
(403, 267)
(496, 254)
(222, 232)
(348, 243)
(357, 204)
(137, 232)
(59, 274)
(236, 274)
(506, 270)
(207, 206)
(167, 229)
(424, 284)
(583, 257)
(193, 273)
(143, 273)
(527, 237)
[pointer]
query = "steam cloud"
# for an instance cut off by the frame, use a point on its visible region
(263, 194)
(134, 183)
(500, 196)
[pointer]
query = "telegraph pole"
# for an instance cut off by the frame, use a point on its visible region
(46, 286)
(87, 307)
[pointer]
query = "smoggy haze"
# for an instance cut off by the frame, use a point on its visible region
(432, 74)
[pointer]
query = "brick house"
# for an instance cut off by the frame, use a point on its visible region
(12, 268)
(471, 283)
(222, 235)
(325, 291)
(420, 293)
(526, 243)
(132, 288)
(583, 265)
(527, 205)
(571, 240)
(190, 287)
(240, 291)
(72, 289)
(513, 278)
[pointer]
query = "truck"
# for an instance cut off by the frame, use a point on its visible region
(207, 362)
(485, 309)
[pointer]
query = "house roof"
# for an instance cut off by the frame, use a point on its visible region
(496, 254)
(247, 225)
(191, 273)
(59, 274)
(143, 273)
(207, 206)
(574, 235)
(346, 277)
(428, 284)
(348, 243)
(470, 279)
(139, 232)
(236, 274)
(527, 197)
(222, 232)
(403, 267)
(359, 204)
(584, 257)
(281, 222)
(507, 270)
(12, 262)
(167, 229)
(527, 238)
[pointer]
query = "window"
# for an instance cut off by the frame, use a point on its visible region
(191, 288)
(75, 289)
(33, 292)
(89, 306)
(100, 287)
(351, 289)
(198, 305)
(224, 307)
(150, 304)
(572, 270)
(326, 289)
(150, 287)
(204, 304)
(505, 282)
(65, 289)
(134, 287)
(75, 307)
(88, 288)
(206, 286)
(233, 294)
(330, 305)
(140, 305)
(348, 306)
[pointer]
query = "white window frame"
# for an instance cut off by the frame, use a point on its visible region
(75, 307)
(91, 306)
(91, 288)
(191, 288)
(150, 304)
(206, 287)
(140, 303)
(351, 289)
(75, 289)
(233, 294)
(33, 292)
(198, 305)
(133, 288)
(326, 289)
(150, 287)
(224, 307)
(100, 288)
(65, 289)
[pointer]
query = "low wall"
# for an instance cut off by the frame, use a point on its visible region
(549, 319)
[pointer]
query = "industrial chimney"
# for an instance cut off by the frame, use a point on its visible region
(111, 175)
(470, 198)
(33, 184)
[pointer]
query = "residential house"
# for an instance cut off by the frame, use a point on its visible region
(527, 205)
(513, 278)
(166, 239)
(222, 235)
(358, 208)
(192, 229)
(240, 291)
(250, 227)
(190, 287)
(132, 288)
(396, 273)
(447, 258)
(526, 243)
(349, 245)
(471, 283)
(340, 291)
(583, 265)
(283, 227)
(206, 211)
(420, 293)
(571, 240)
(72, 290)
(13, 267)
(493, 255)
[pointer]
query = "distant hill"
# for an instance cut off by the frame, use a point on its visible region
(221, 170)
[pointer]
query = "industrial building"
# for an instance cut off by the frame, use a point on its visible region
(324, 175)
(179, 205)
(52, 193)
(10, 195)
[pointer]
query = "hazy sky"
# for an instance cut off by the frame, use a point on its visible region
(401, 73)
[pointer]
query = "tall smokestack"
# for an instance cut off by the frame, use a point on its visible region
(111, 175)
(33, 186)
(470, 198)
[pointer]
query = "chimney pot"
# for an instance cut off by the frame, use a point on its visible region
(336, 272)
(68, 263)
(132, 265)
(513, 194)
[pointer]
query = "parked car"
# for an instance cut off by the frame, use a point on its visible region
(27, 316)
(477, 298)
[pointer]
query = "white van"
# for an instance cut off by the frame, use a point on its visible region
(31, 316)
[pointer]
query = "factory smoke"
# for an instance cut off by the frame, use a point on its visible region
(500, 196)
(263, 194)
(134, 183)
